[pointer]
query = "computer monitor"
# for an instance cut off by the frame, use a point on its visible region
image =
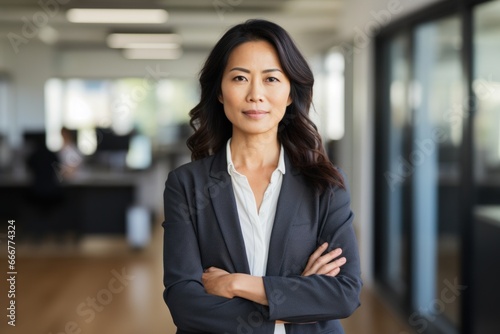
(108, 141)
(32, 139)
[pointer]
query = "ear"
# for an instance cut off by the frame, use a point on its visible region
(289, 101)
(221, 100)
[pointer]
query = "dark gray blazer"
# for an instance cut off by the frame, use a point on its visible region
(201, 229)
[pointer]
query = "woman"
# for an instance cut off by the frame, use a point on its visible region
(255, 226)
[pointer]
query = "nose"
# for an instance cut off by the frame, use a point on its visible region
(256, 92)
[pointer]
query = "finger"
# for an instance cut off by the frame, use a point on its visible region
(213, 270)
(314, 256)
(334, 272)
(207, 273)
(327, 258)
(331, 266)
(322, 261)
(313, 264)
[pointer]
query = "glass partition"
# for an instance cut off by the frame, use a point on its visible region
(395, 187)
(439, 113)
(486, 139)
(437, 168)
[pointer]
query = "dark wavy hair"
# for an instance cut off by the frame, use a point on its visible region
(296, 132)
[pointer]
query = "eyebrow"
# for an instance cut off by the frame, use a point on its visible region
(248, 71)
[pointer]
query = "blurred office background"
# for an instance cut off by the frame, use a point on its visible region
(93, 116)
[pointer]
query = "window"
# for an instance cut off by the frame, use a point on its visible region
(4, 123)
(334, 85)
(151, 113)
(439, 112)
(394, 187)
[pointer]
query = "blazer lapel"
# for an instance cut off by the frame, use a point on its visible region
(224, 204)
(291, 194)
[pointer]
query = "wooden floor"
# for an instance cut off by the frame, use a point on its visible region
(102, 287)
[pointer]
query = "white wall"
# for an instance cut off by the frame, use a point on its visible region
(28, 71)
(32, 67)
(111, 64)
(363, 155)
(365, 14)
(3, 55)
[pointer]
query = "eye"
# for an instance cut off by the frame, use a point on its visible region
(272, 79)
(239, 78)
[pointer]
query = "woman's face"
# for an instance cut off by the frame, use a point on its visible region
(255, 90)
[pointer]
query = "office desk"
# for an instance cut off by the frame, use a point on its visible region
(92, 203)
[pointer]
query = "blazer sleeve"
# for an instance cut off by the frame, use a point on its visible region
(192, 309)
(320, 297)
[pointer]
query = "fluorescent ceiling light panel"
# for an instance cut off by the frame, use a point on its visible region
(144, 41)
(105, 15)
(152, 53)
(152, 46)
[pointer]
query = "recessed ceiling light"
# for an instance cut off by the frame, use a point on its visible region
(144, 41)
(107, 15)
(152, 53)
(48, 35)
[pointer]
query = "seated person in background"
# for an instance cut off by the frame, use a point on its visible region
(69, 155)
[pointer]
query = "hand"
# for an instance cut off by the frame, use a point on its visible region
(217, 282)
(324, 264)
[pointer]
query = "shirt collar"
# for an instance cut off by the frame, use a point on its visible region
(230, 164)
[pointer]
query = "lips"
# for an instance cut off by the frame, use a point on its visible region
(255, 114)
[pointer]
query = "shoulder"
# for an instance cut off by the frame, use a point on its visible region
(193, 169)
(194, 166)
(202, 171)
(344, 178)
(338, 195)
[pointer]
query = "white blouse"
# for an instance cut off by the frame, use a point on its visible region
(256, 226)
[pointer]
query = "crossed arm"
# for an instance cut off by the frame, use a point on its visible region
(221, 283)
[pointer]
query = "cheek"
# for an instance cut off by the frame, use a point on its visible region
(230, 97)
(227, 111)
(284, 96)
(283, 99)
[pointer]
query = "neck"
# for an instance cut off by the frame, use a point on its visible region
(255, 152)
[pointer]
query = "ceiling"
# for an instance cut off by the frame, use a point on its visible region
(313, 23)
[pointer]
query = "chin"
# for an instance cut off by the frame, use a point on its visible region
(258, 131)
